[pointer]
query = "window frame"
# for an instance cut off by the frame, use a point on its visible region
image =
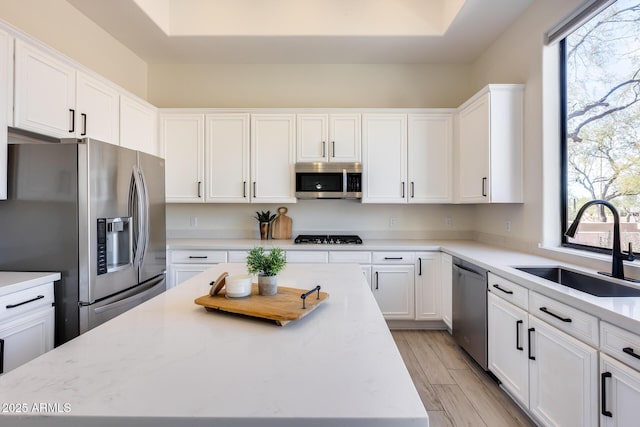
(564, 173)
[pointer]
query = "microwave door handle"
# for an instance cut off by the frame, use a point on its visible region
(344, 181)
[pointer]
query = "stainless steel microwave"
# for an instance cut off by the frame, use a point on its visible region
(317, 180)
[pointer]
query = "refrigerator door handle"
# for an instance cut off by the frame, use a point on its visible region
(135, 207)
(145, 216)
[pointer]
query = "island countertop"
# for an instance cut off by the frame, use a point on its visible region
(169, 362)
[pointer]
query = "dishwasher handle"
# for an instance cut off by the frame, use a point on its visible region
(468, 270)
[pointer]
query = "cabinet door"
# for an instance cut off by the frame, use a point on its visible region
(473, 152)
(620, 393)
(446, 276)
(139, 126)
(45, 93)
(427, 286)
(183, 138)
(227, 158)
(563, 383)
(429, 161)
(344, 138)
(508, 350)
(26, 338)
(312, 141)
(98, 110)
(181, 273)
(393, 288)
(384, 166)
(6, 104)
(272, 158)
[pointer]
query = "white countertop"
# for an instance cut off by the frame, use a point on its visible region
(169, 362)
(14, 281)
(621, 311)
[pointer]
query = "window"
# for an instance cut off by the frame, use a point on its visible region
(601, 126)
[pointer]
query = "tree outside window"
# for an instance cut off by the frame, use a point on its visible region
(602, 75)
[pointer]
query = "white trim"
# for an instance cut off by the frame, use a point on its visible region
(582, 13)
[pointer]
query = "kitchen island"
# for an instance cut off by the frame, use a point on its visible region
(170, 362)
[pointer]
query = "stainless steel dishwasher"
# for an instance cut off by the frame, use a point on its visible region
(470, 309)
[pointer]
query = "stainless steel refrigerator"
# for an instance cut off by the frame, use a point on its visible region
(93, 211)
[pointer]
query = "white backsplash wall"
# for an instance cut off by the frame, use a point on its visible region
(370, 221)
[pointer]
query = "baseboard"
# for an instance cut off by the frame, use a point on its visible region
(417, 324)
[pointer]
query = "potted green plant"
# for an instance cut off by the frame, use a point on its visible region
(267, 267)
(264, 218)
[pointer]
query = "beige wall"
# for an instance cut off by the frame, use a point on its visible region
(308, 85)
(324, 216)
(517, 57)
(59, 25)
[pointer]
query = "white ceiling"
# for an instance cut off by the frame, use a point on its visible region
(304, 31)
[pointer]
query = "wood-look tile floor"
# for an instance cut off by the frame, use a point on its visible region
(455, 391)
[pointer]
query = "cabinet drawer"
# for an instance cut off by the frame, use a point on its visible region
(621, 344)
(348, 257)
(238, 256)
(316, 257)
(26, 300)
(198, 257)
(394, 257)
(506, 289)
(577, 323)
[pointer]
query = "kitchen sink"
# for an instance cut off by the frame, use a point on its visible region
(582, 282)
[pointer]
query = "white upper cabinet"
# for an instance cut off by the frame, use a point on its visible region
(489, 154)
(272, 158)
(6, 104)
(227, 158)
(312, 137)
(328, 138)
(45, 93)
(182, 136)
(384, 165)
(97, 110)
(139, 126)
(430, 158)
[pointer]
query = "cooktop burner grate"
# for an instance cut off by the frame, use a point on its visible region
(331, 239)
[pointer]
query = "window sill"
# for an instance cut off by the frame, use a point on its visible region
(601, 262)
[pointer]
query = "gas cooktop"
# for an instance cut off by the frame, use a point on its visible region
(332, 239)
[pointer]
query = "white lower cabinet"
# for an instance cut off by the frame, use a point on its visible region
(353, 257)
(182, 272)
(26, 325)
(508, 347)
(563, 376)
(393, 288)
(186, 264)
(428, 286)
(620, 393)
(26, 337)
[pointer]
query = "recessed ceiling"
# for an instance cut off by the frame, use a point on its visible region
(304, 31)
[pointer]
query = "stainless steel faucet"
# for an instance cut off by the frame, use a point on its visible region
(617, 266)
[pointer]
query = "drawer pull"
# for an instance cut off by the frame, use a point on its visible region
(603, 394)
(506, 291)
(630, 352)
(392, 258)
(25, 302)
(198, 257)
(564, 319)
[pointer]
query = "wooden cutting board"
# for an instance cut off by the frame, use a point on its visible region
(281, 226)
(282, 308)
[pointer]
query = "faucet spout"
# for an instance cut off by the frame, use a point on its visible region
(617, 266)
